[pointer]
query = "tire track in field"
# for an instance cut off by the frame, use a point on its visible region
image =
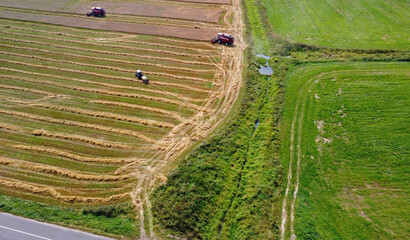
(78, 124)
(39, 189)
(94, 66)
(43, 168)
(291, 160)
(136, 49)
(96, 90)
(138, 56)
(110, 59)
(298, 118)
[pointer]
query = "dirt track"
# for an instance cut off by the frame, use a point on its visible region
(149, 10)
(179, 32)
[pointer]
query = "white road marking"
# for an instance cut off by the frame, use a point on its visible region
(33, 235)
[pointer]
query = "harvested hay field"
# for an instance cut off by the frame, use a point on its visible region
(77, 128)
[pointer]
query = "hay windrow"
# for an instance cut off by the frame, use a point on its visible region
(72, 137)
(184, 86)
(10, 127)
(76, 157)
(159, 92)
(111, 59)
(136, 49)
(107, 115)
(134, 106)
(114, 39)
(108, 92)
(93, 66)
(53, 192)
(61, 171)
(138, 56)
(78, 124)
(24, 89)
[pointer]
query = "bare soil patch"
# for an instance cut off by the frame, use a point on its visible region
(179, 32)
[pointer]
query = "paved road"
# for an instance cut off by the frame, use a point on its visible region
(18, 228)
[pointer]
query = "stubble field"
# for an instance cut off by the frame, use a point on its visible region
(77, 127)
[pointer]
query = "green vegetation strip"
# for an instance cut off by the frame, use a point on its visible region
(227, 184)
(350, 132)
(113, 220)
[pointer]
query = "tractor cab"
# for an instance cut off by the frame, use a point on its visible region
(96, 12)
(223, 38)
(142, 77)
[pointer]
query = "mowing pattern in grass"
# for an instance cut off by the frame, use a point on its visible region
(77, 126)
(374, 24)
(345, 140)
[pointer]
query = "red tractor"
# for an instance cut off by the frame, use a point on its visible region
(96, 12)
(223, 38)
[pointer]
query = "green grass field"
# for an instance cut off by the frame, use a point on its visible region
(347, 126)
(365, 24)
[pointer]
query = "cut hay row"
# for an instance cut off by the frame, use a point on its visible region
(145, 108)
(104, 91)
(72, 137)
(76, 157)
(94, 66)
(138, 56)
(184, 86)
(61, 171)
(52, 192)
(132, 106)
(107, 115)
(127, 48)
(24, 89)
(14, 100)
(159, 92)
(184, 42)
(78, 124)
(113, 39)
(10, 127)
(107, 33)
(110, 59)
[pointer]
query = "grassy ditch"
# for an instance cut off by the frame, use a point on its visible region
(227, 183)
